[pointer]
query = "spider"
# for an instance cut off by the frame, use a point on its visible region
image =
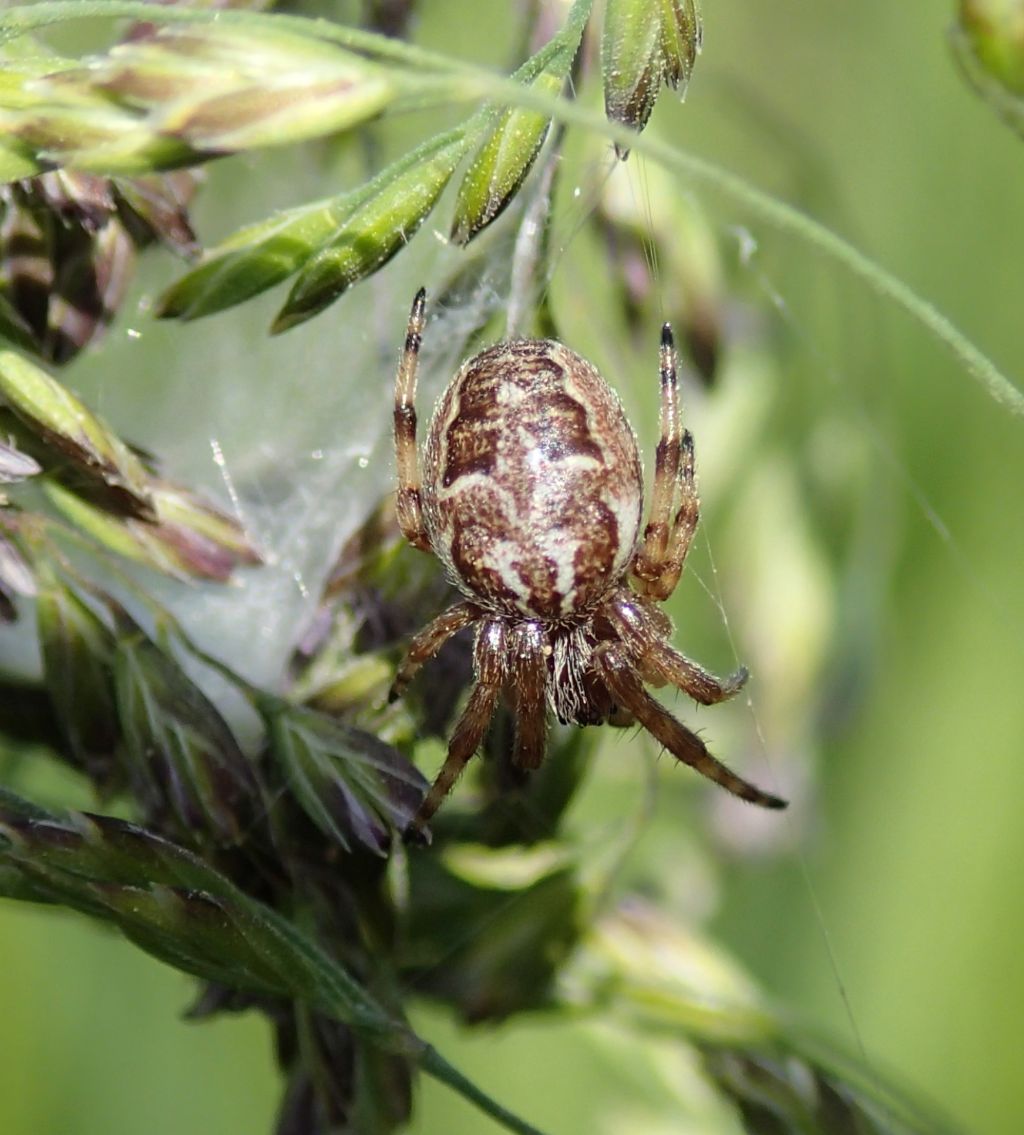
(531, 498)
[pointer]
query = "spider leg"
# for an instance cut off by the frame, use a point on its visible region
(528, 672)
(684, 524)
(428, 642)
(679, 671)
(410, 515)
(625, 685)
(658, 563)
(642, 629)
(472, 725)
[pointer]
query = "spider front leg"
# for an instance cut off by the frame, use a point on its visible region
(643, 629)
(659, 561)
(410, 513)
(429, 641)
(489, 666)
(626, 687)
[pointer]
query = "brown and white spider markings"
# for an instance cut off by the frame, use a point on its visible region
(531, 498)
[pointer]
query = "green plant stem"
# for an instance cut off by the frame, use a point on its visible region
(48, 13)
(783, 218)
(478, 84)
(787, 218)
(434, 1064)
(26, 18)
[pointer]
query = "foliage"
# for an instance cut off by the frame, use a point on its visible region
(264, 852)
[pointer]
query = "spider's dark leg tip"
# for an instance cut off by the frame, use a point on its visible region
(667, 339)
(421, 298)
(394, 694)
(417, 835)
(775, 803)
(735, 682)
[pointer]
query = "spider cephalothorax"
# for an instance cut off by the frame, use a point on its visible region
(531, 497)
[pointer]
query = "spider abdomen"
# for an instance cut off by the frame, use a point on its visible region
(533, 488)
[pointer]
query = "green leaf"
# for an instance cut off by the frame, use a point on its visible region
(64, 423)
(782, 1091)
(187, 93)
(176, 906)
(682, 39)
(16, 805)
(98, 138)
(354, 787)
(516, 134)
(507, 155)
(994, 29)
(180, 752)
(188, 538)
(77, 648)
(988, 44)
(663, 979)
(632, 61)
(388, 212)
(356, 231)
(22, 61)
(205, 541)
(119, 534)
(256, 87)
(254, 259)
(15, 165)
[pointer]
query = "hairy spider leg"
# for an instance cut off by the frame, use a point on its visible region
(489, 665)
(625, 685)
(666, 464)
(429, 641)
(640, 626)
(410, 513)
(527, 680)
(659, 561)
(684, 523)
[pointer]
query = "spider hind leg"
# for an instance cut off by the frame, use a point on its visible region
(627, 690)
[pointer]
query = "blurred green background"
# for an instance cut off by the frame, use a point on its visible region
(864, 509)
